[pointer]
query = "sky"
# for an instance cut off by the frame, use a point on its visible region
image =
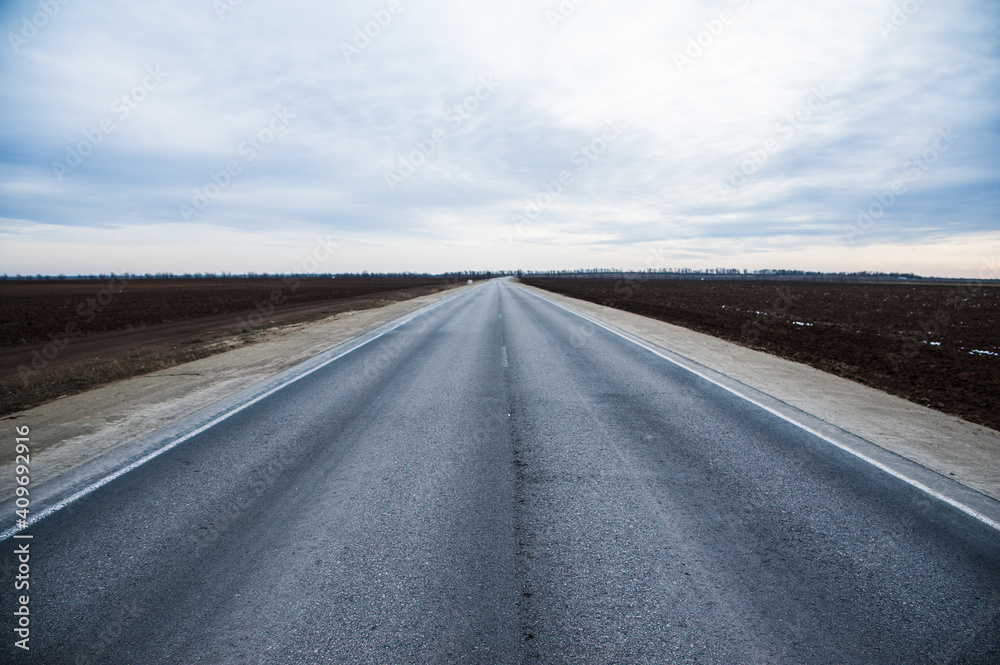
(438, 135)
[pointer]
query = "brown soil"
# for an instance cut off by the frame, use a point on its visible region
(63, 337)
(936, 345)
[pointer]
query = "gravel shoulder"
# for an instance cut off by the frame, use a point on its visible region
(78, 428)
(963, 451)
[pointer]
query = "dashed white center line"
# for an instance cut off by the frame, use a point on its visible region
(503, 356)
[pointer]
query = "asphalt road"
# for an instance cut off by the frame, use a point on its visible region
(499, 481)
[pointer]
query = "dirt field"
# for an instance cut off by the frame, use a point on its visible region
(936, 345)
(62, 337)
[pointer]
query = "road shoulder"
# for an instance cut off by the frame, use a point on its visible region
(955, 448)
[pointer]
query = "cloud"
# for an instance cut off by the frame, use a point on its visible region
(754, 122)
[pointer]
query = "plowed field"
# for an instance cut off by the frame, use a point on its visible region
(936, 345)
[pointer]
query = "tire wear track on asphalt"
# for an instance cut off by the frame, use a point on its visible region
(420, 500)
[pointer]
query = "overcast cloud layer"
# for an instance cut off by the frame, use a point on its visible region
(434, 135)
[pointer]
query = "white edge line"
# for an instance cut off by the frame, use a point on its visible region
(971, 512)
(37, 517)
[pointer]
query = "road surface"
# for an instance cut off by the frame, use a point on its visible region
(500, 481)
